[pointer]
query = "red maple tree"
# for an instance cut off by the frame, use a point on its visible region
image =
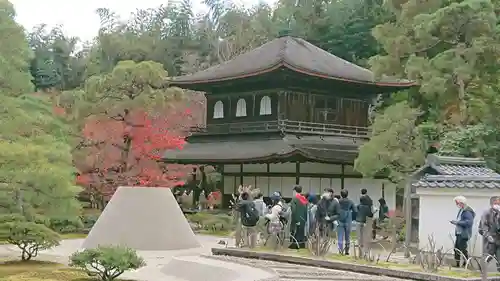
(124, 150)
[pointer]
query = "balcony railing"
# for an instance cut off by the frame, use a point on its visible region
(323, 128)
(285, 126)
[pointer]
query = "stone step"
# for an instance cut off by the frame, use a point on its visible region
(310, 278)
(308, 272)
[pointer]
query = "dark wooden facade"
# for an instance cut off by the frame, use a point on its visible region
(286, 110)
(285, 113)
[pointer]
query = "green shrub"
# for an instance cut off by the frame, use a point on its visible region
(89, 220)
(106, 262)
(66, 224)
(211, 222)
(29, 237)
(11, 218)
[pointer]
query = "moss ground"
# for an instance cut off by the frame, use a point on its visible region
(39, 271)
(444, 270)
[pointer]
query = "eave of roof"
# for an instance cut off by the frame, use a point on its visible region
(264, 151)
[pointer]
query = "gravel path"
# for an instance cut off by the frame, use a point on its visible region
(152, 272)
(289, 272)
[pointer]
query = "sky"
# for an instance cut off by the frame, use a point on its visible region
(78, 17)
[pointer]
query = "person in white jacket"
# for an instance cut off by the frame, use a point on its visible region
(260, 205)
(275, 225)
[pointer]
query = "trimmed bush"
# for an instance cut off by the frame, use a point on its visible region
(66, 225)
(107, 262)
(29, 237)
(88, 221)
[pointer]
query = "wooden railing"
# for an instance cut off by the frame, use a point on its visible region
(323, 128)
(232, 128)
(285, 126)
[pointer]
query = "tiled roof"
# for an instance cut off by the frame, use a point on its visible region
(475, 170)
(456, 172)
(292, 53)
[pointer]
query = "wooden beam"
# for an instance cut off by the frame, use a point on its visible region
(342, 177)
(241, 174)
(297, 172)
(292, 175)
(221, 171)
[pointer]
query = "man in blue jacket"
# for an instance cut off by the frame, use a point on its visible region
(463, 229)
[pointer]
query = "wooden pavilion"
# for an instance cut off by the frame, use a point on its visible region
(282, 114)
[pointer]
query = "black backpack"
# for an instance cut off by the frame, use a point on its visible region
(250, 215)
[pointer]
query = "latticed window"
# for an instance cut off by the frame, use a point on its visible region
(241, 108)
(265, 106)
(218, 110)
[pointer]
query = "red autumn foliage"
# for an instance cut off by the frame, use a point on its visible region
(124, 151)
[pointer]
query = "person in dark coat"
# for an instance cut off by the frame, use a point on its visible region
(364, 211)
(383, 214)
(463, 229)
(347, 208)
(365, 207)
(489, 228)
(298, 224)
(327, 212)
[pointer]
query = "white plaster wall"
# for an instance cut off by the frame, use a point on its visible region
(374, 188)
(437, 209)
(314, 185)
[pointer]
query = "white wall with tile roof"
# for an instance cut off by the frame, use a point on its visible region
(437, 209)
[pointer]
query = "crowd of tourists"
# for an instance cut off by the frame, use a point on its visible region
(307, 215)
(330, 214)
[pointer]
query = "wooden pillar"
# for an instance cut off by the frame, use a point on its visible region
(194, 188)
(408, 217)
(241, 174)
(268, 170)
(220, 169)
(254, 106)
(297, 172)
(342, 176)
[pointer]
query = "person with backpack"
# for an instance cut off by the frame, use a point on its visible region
(276, 218)
(345, 222)
(364, 214)
(249, 219)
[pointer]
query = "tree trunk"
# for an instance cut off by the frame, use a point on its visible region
(462, 102)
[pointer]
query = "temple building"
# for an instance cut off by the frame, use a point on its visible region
(286, 113)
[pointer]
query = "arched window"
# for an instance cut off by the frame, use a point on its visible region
(265, 106)
(241, 108)
(218, 110)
